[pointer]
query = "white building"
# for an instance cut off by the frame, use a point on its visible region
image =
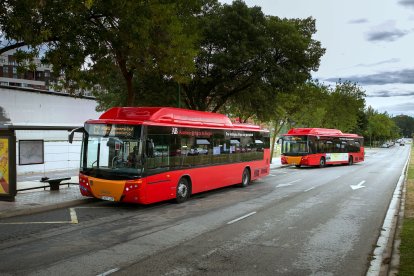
(28, 99)
(29, 107)
(40, 79)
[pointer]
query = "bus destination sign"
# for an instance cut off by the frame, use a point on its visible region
(110, 130)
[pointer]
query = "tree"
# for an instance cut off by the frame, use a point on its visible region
(312, 99)
(405, 124)
(88, 41)
(201, 52)
(345, 103)
(245, 58)
(380, 126)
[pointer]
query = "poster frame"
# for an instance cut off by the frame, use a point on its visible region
(11, 163)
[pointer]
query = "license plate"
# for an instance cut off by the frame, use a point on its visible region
(109, 198)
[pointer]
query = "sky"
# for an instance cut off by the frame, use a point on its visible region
(370, 42)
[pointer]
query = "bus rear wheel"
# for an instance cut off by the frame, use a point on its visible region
(183, 190)
(322, 162)
(245, 178)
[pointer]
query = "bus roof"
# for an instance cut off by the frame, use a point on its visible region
(169, 116)
(319, 132)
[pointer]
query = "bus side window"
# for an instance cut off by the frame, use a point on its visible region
(321, 146)
(158, 157)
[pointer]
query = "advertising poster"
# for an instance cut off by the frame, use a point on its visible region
(4, 166)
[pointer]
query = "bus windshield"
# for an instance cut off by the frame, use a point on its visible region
(112, 151)
(295, 145)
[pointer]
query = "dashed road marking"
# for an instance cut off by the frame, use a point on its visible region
(242, 217)
(109, 272)
(288, 184)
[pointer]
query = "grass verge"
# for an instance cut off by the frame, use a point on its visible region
(407, 233)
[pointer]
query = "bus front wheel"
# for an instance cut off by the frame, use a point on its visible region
(322, 162)
(245, 178)
(183, 190)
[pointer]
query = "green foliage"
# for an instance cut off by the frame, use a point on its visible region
(122, 40)
(406, 248)
(380, 126)
(138, 52)
(245, 58)
(316, 105)
(405, 124)
(407, 233)
(345, 103)
(310, 108)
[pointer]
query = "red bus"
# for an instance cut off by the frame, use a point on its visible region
(151, 154)
(320, 147)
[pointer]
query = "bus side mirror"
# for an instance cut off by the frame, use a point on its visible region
(72, 133)
(149, 148)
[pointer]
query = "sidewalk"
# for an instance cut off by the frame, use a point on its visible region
(43, 199)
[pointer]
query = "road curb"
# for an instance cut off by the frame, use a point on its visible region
(384, 254)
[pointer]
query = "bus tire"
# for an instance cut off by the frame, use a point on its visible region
(183, 190)
(245, 178)
(297, 166)
(351, 160)
(322, 162)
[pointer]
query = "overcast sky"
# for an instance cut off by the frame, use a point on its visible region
(370, 42)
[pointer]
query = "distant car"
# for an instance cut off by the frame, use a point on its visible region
(385, 145)
(402, 144)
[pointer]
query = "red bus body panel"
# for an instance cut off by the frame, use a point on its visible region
(163, 186)
(331, 158)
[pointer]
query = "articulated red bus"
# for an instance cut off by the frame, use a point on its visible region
(320, 147)
(150, 154)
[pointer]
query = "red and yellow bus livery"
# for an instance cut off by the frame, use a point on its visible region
(320, 147)
(150, 154)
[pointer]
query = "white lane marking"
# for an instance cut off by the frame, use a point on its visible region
(288, 184)
(109, 272)
(272, 174)
(73, 220)
(359, 186)
(73, 216)
(36, 222)
(240, 218)
(310, 189)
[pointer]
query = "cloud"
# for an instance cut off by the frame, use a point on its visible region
(385, 32)
(358, 21)
(407, 3)
(392, 60)
(398, 109)
(405, 76)
(388, 93)
(387, 36)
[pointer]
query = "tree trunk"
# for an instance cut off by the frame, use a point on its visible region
(277, 130)
(128, 75)
(130, 90)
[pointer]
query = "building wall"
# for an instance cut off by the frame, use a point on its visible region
(25, 107)
(9, 75)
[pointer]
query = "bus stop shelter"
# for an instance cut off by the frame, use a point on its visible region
(8, 175)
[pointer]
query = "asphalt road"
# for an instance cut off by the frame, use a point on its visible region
(306, 221)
